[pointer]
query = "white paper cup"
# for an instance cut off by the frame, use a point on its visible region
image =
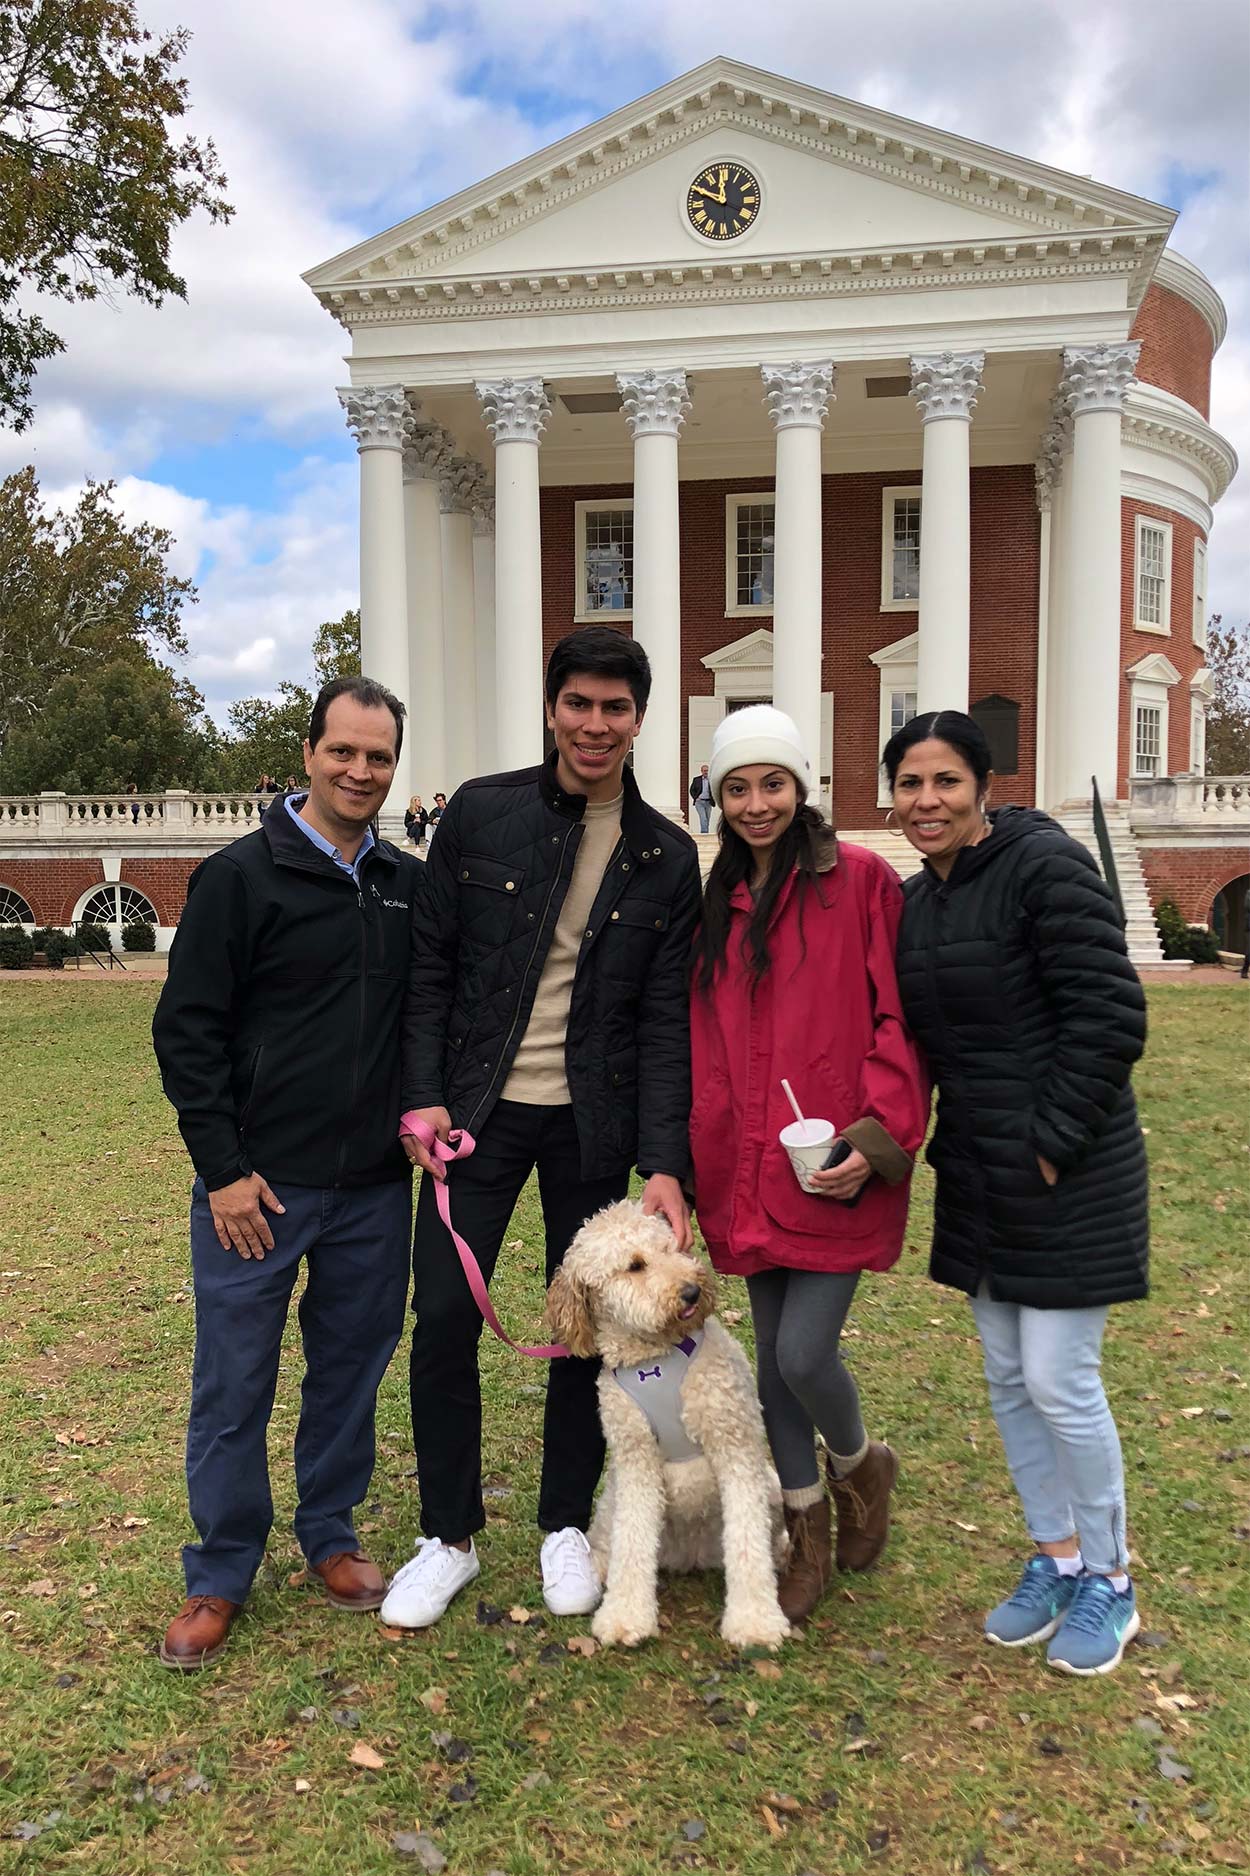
(807, 1144)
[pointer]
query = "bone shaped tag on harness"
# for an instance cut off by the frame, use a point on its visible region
(657, 1391)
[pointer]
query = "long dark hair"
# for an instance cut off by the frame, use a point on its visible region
(807, 843)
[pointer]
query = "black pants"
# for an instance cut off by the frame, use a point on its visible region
(446, 1393)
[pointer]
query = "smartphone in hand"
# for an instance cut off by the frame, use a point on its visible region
(840, 1150)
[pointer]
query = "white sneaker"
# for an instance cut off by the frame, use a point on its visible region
(422, 1588)
(571, 1583)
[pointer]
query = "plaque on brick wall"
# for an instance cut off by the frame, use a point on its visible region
(999, 719)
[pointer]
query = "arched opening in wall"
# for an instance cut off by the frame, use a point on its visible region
(115, 906)
(13, 908)
(1230, 915)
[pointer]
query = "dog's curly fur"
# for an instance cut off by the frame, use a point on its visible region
(619, 1295)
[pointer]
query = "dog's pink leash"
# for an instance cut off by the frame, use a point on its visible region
(459, 1146)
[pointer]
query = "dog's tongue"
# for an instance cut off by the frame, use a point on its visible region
(688, 1311)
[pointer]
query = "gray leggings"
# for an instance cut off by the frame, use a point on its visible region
(803, 1381)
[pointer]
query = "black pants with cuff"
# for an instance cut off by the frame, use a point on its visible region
(446, 1392)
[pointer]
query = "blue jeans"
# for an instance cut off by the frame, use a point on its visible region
(1062, 1448)
(351, 1316)
(704, 811)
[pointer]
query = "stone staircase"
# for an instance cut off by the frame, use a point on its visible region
(1077, 817)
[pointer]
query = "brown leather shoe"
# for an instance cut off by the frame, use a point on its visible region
(862, 1502)
(351, 1581)
(809, 1564)
(198, 1633)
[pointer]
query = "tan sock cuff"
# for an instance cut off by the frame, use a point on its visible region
(844, 1463)
(804, 1498)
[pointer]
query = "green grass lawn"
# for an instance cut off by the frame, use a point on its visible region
(888, 1737)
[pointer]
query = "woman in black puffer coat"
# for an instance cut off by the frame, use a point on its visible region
(1016, 982)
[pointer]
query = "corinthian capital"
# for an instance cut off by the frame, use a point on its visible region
(515, 410)
(655, 403)
(945, 384)
(1096, 377)
(427, 451)
(1056, 442)
(797, 395)
(377, 415)
(484, 511)
(459, 484)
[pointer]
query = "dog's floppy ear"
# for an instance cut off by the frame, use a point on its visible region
(568, 1314)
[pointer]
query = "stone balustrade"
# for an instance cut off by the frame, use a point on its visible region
(1212, 803)
(178, 816)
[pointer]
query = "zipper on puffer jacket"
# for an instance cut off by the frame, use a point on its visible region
(361, 1013)
(516, 1015)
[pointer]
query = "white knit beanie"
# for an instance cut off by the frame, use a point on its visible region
(759, 733)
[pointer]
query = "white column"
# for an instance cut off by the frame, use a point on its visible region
(798, 396)
(1054, 647)
(515, 412)
(427, 449)
(457, 490)
(484, 639)
(378, 418)
(945, 388)
(1094, 384)
(655, 404)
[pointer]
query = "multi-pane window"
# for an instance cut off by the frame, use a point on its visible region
(750, 533)
(900, 549)
(1154, 554)
(1147, 739)
(1200, 594)
(118, 905)
(902, 709)
(1197, 736)
(13, 908)
(606, 559)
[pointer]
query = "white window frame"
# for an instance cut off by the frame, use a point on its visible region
(890, 497)
(733, 610)
(1164, 528)
(602, 614)
(1200, 593)
(1157, 707)
(1201, 697)
(897, 670)
(1151, 679)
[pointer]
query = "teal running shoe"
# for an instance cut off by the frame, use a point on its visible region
(1035, 1607)
(1099, 1627)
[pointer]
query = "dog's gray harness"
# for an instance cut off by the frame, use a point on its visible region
(657, 1390)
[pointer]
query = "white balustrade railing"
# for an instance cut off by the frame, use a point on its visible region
(1212, 802)
(178, 814)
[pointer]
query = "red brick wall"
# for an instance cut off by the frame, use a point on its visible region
(1179, 647)
(1176, 347)
(164, 882)
(1192, 876)
(53, 887)
(1005, 546)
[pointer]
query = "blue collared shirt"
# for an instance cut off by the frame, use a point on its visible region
(351, 867)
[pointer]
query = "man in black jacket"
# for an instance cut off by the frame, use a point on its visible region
(277, 1035)
(547, 1016)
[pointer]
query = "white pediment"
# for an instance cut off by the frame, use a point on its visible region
(837, 179)
(904, 651)
(753, 653)
(1155, 668)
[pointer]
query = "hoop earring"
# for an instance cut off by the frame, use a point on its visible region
(896, 831)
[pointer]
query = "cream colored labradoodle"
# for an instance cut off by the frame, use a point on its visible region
(690, 1485)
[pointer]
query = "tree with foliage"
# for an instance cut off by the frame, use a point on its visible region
(92, 183)
(336, 647)
(78, 589)
(128, 721)
(267, 737)
(1228, 715)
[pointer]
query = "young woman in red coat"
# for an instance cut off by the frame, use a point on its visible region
(793, 976)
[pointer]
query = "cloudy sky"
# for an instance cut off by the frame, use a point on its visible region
(218, 418)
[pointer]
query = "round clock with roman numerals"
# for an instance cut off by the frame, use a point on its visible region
(723, 201)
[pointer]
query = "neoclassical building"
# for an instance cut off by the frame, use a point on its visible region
(827, 407)
(830, 409)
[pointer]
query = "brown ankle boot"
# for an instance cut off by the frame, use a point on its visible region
(198, 1633)
(862, 1502)
(809, 1564)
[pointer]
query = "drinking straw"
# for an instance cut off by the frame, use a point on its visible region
(789, 1094)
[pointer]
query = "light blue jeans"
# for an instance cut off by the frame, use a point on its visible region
(1063, 1451)
(703, 808)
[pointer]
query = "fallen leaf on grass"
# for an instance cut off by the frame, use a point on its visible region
(86, 1591)
(782, 1803)
(1192, 1413)
(767, 1670)
(979, 1722)
(392, 1634)
(44, 1587)
(770, 1820)
(135, 1524)
(365, 1756)
(435, 1698)
(1173, 1703)
(1172, 1769)
(581, 1645)
(297, 1579)
(693, 1829)
(731, 1315)
(519, 1614)
(303, 1784)
(965, 1527)
(858, 1745)
(419, 1844)
(541, 1735)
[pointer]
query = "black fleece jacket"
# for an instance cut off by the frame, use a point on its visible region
(277, 1032)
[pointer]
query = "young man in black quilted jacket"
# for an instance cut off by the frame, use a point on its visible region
(546, 1016)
